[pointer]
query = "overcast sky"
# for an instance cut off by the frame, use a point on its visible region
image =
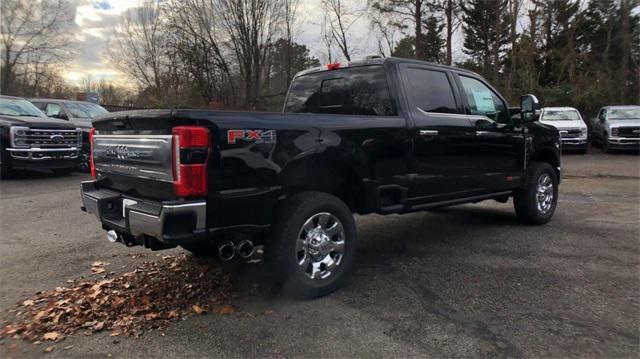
(97, 21)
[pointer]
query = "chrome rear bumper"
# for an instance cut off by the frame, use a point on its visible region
(143, 217)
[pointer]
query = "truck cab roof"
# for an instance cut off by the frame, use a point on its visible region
(379, 61)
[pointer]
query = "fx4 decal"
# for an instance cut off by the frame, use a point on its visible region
(257, 136)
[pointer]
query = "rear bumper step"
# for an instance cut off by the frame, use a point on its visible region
(165, 221)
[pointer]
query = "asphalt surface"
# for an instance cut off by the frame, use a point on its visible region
(465, 281)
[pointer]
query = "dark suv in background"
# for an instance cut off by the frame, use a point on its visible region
(79, 113)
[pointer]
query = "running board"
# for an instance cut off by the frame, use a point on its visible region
(452, 202)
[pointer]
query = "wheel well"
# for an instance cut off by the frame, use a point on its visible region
(549, 156)
(318, 174)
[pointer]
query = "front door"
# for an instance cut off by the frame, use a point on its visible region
(499, 145)
(442, 167)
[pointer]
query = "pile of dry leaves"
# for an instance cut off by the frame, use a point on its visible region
(155, 293)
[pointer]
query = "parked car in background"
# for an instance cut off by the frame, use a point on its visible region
(573, 130)
(79, 113)
(31, 140)
(617, 128)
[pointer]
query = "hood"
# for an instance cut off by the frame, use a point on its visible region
(36, 122)
(624, 123)
(566, 125)
(82, 122)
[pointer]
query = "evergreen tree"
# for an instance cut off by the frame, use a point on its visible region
(486, 34)
(433, 45)
(405, 48)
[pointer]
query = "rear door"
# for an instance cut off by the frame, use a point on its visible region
(442, 164)
(497, 149)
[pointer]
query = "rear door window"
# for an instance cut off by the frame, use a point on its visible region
(430, 90)
(361, 90)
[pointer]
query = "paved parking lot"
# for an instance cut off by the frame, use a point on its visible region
(466, 281)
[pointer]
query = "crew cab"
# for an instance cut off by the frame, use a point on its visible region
(573, 130)
(31, 140)
(375, 136)
(617, 128)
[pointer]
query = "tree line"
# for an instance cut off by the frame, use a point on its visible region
(242, 54)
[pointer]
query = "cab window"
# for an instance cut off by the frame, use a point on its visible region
(361, 90)
(53, 109)
(483, 101)
(431, 90)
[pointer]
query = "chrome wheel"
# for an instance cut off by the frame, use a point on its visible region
(544, 193)
(320, 245)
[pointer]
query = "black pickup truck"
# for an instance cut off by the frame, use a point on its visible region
(375, 136)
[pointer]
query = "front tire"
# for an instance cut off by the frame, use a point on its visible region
(5, 164)
(312, 247)
(85, 159)
(536, 202)
(605, 146)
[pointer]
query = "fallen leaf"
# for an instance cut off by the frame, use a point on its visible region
(268, 312)
(226, 309)
(197, 309)
(98, 327)
(28, 303)
(114, 334)
(40, 314)
(68, 347)
(50, 349)
(51, 336)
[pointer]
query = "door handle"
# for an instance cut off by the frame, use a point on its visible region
(429, 132)
(483, 133)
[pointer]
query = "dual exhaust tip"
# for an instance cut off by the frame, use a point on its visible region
(228, 250)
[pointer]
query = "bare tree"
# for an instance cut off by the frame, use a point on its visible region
(140, 47)
(327, 39)
(385, 28)
(290, 16)
(33, 33)
(198, 42)
(250, 26)
(340, 19)
(409, 11)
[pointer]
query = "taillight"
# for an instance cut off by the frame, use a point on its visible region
(92, 165)
(190, 153)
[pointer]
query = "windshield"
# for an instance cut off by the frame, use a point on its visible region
(560, 115)
(13, 107)
(85, 110)
(623, 113)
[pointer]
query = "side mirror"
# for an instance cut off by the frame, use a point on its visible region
(530, 108)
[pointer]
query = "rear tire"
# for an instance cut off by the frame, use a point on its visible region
(5, 164)
(536, 202)
(313, 244)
